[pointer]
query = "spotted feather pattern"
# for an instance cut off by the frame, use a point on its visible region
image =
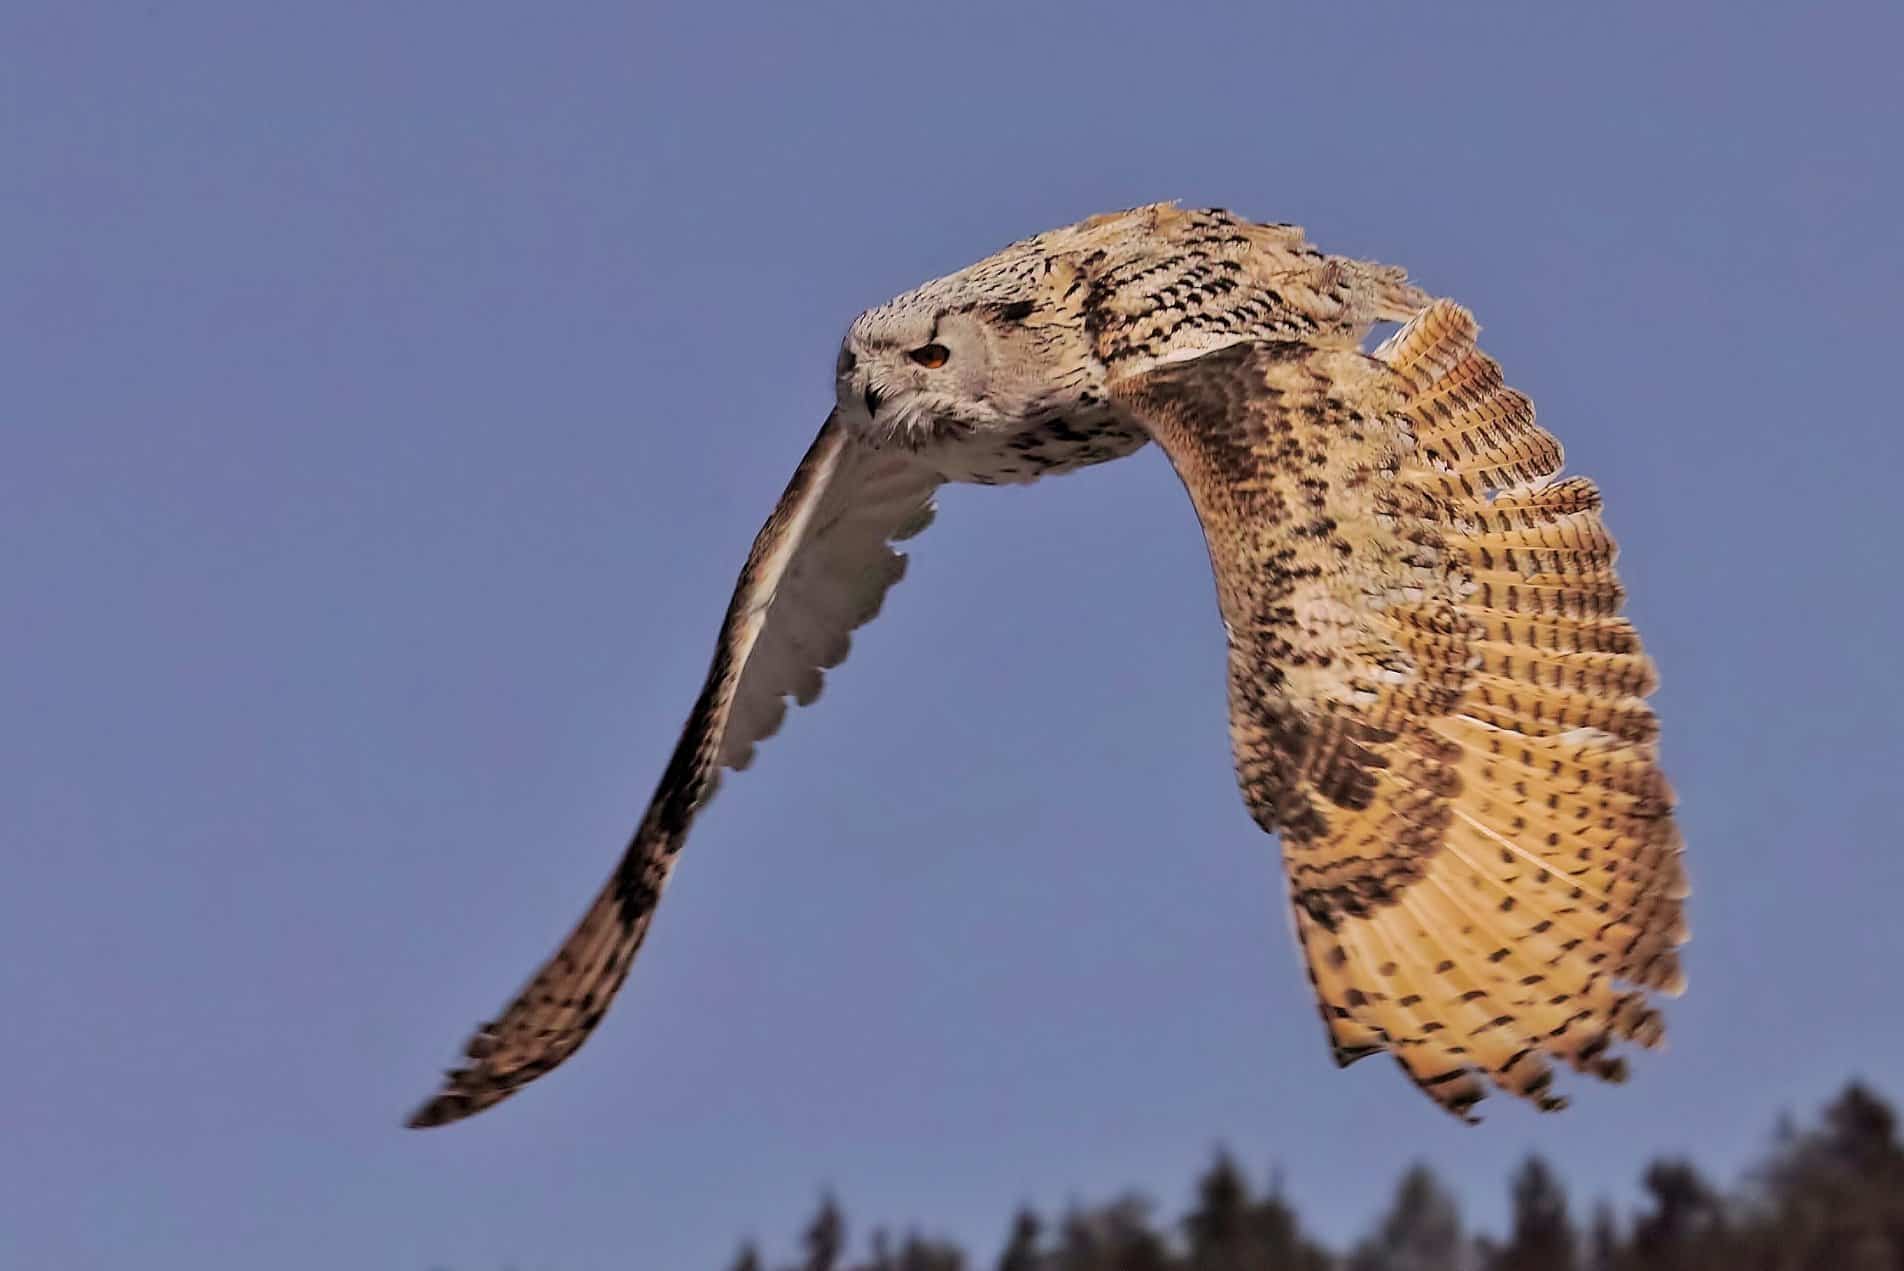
(1434, 702)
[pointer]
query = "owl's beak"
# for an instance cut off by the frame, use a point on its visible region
(845, 376)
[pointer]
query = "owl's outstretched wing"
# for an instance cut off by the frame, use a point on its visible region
(819, 568)
(1434, 701)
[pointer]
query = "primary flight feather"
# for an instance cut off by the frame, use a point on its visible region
(1434, 700)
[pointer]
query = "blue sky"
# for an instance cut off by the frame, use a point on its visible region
(390, 393)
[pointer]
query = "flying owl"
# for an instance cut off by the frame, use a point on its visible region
(1434, 701)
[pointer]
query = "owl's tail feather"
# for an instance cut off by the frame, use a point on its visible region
(1551, 901)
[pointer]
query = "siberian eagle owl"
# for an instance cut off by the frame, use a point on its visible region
(1434, 701)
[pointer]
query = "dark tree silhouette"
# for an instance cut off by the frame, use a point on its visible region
(1280, 1244)
(1826, 1198)
(1542, 1238)
(1117, 1237)
(1218, 1227)
(1230, 1230)
(921, 1254)
(1686, 1225)
(825, 1237)
(1835, 1196)
(1603, 1240)
(1421, 1232)
(1021, 1247)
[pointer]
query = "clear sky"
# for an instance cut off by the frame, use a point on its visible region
(389, 394)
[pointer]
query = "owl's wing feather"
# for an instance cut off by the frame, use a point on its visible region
(834, 584)
(819, 568)
(1434, 701)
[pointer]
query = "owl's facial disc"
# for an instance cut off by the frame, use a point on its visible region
(915, 372)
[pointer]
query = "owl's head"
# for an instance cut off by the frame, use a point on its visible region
(966, 354)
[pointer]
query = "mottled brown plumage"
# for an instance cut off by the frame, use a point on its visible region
(1434, 701)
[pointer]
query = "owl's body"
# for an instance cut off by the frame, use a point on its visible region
(1434, 702)
(1111, 297)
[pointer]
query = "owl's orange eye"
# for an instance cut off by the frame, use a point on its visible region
(931, 356)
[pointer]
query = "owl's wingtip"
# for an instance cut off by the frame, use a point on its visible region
(443, 1108)
(438, 1111)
